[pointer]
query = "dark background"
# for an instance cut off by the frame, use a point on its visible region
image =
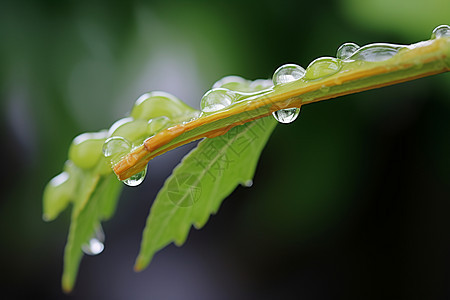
(351, 201)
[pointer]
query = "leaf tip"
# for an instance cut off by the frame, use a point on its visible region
(67, 285)
(139, 265)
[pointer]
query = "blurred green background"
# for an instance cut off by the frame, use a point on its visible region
(351, 201)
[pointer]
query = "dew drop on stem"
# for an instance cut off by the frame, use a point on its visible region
(115, 148)
(136, 179)
(232, 79)
(322, 67)
(157, 124)
(441, 31)
(376, 52)
(287, 115)
(346, 50)
(288, 73)
(217, 99)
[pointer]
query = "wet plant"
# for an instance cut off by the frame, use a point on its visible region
(235, 120)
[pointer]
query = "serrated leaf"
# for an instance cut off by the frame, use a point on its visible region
(344, 76)
(99, 205)
(200, 182)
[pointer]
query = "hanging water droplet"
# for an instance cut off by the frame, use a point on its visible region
(136, 179)
(346, 50)
(288, 73)
(376, 52)
(441, 31)
(287, 115)
(248, 183)
(95, 244)
(115, 148)
(217, 99)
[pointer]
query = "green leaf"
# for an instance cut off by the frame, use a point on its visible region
(99, 203)
(229, 154)
(370, 66)
(199, 184)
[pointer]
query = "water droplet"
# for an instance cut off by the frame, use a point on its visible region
(260, 84)
(157, 124)
(115, 148)
(346, 50)
(229, 81)
(130, 129)
(441, 31)
(287, 115)
(95, 244)
(136, 179)
(86, 149)
(59, 179)
(248, 183)
(322, 67)
(239, 84)
(157, 104)
(118, 124)
(288, 73)
(376, 52)
(217, 99)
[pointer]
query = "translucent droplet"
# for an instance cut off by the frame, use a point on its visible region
(229, 81)
(376, 52)
(136, 179)
(95, 244)
(287, 115)
(248, 183)
(217, 99)
(157, 104)
(441, 31)
(130, 129)
(322, 67)
(239, 84)
(287, 73)
(86, 149)
(260, 84)
(157, 124)
(346, 50)
(115, 148)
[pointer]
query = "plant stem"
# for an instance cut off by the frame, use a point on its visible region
(419, 60)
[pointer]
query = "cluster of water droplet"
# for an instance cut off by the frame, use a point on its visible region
(156, 111)
(327, 66)
(97, 152)
(228, 91)
(153, 112)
